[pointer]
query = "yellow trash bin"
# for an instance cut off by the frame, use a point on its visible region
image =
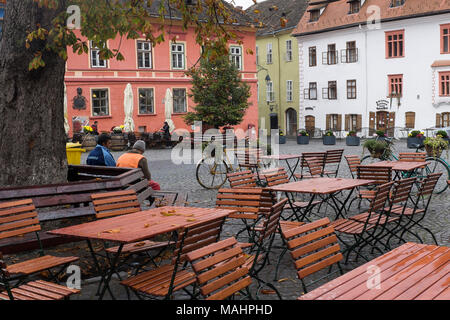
(74, 152)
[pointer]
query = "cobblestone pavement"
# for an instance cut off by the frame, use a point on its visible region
(182, 178)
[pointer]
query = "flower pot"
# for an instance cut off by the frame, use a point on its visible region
(433, 153)
(89, 142)
(376, 155)
(329, 140)
(302, 139)
(353, 141)
(282, 139)
(414, 140)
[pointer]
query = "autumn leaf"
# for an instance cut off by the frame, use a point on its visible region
(268, 292)
(191, 220)
(256, 11)
(112, 231)
(282, 280)
(147, 225)
(140, 244)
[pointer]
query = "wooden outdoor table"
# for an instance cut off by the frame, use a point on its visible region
(401, 166)
(410, 272)
(327, 187)
(286, 158)
(137, 227)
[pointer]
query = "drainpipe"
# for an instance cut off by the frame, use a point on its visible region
(366, 78)
(279, 84)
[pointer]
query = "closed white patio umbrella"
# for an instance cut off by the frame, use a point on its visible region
(128, 105)
(168, 101)
(66, 120)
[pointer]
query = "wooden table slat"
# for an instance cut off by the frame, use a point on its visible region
(400, 165)
(321, 185)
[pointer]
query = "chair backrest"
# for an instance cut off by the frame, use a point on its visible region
(18, 218)
(334, 156)
(111, 204)
(242, 179)
(196, 236)
(353, 162)
(412, 156)
(220, 269)
(382, 193)
(313, 247)
(249, 157)
(428, 184)
(315, 166)
(306, 155)
(402, 190)
(271, 221)
(379, 174)
(278, 178)
(249, 202)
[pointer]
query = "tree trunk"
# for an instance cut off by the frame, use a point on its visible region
(32, 136)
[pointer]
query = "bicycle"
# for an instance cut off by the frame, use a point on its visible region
(436, 165)
(212, 169)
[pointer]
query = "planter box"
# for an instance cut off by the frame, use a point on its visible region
(282, 139)
(328, 141)
(302, 139)
(353, 141)
(414, 140)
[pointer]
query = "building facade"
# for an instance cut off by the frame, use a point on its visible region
(95, 88)
(277, 61)
(374, 65)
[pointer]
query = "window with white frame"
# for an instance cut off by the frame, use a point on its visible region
(269, 53)
(236, 56)
(270, 95)
(177, 55)
(100, 102)
(289, 88)
(96, 61)
(146, 101)
(289, 50)
(144, 54)
(179, 101)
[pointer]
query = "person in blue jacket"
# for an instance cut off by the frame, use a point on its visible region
(101, 156)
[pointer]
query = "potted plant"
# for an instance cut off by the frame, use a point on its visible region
(380, 134)
(329, 138)
(435, 146)
(415, 137)
(444, 135)
(89, 141)
(282, 139)
(352, 139)
(302, 137)
(378, 149)
(118, 141)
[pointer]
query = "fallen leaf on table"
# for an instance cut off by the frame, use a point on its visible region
(268, 292)
(147, 225)
(172, 211)
(191, 220)
(166, 214)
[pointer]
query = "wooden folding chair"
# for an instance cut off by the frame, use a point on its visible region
(220, 270)
(111, 204)
(333, 158)
(242, 179)
(412, 156)
(163, 281)
(313, 247)
(18, 218)
(363, 227)
(304, 169)
(353, 162)
(33, 290)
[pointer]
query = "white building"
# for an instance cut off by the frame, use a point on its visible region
(393, 75)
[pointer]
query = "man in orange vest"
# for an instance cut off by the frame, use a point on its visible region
(135, 159)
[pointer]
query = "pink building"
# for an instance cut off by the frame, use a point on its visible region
(150, 71)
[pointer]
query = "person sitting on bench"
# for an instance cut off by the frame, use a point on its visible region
(135, 159)
(101, 156)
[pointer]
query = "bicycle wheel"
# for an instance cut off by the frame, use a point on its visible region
(211, 175)
(438, 165)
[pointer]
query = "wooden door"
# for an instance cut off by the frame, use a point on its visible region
(382, 120)
(372, 123)
(291, 122)
(390, 130)
(310, 125)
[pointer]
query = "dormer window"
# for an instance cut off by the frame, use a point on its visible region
(397, 3)
(315, 14)
(355, 6)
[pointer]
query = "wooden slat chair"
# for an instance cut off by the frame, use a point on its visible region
(304, 170)
(220, 270)
(18, 218)
(259, 251)
(333, 159)
(250, 204)
(411, 215)
(280, 178)
(363, 227)
(164, 281)
(33, 290)
(353, 162)
(250, 158)
(315, 166)
(111, 204)
(313, 247)
(242, 179)
(380, 175)
(412, 156)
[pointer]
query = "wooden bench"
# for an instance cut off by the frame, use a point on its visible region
(73, 199)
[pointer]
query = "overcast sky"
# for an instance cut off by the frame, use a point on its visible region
(243, 3)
